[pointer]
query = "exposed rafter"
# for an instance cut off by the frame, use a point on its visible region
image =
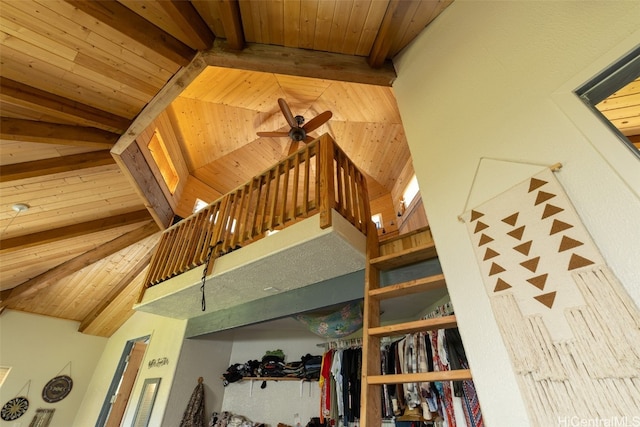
(71, 231)
(54, 133)
(186, 16)
(300, 62)
(71, 266)
(116, 290)
(15, 171)
(135, 166)
(232, 23)
(121, 18)
(26, 96)
(390, 27)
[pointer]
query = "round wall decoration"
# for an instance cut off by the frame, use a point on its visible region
(57, 389)
(14, 409)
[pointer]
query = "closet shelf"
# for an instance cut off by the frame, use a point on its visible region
(444, 322)
(453, 375)
(405, 257)
(424, 284)
(276, 379)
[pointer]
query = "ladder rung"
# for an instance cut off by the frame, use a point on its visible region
(444, 322)
(454, 375)
(405, 257)
(411, 287)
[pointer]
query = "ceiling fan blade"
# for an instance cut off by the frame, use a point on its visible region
(286, 111)
(293, 147)
(273, 134)
(317, 121)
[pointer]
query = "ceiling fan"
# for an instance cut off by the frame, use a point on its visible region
(299, 129)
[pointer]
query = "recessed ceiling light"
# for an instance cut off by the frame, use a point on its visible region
(20, 207)
(271, 289)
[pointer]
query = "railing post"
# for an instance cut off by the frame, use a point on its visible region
(327, 188)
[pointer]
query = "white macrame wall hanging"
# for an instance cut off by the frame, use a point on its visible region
(570, 328)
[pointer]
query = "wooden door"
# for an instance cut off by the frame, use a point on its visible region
(126, 384)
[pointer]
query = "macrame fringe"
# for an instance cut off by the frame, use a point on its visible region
(595, 375)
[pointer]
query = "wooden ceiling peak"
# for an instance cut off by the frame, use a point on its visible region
(82, 80)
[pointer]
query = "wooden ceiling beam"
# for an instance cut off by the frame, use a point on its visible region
(116, 290)
(44, 102)
(136, 168)
(71, 231)
(37, 168)
(69, 267)
(390, 27)
(300, 62)
(126, 21)
(232, 23)
(54, 133)
(187, 17)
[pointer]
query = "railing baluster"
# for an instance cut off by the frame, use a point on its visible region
(296, 186)
(327, 180)
(285, 190)
(255, 219)
(305, 199)
(267, 191)
(274, 200)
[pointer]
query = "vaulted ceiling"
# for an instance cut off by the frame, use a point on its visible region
(84, 83)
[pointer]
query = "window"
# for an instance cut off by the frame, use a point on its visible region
(377, 220)
(163, 160)
(199, 205)
(410, 191)
(614, 96)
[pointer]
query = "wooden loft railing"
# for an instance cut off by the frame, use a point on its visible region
(314, 180)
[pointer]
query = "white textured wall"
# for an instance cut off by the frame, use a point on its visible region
(38, 348)
(166, 340)
(493, 80)
(279, 401)
(206, 358)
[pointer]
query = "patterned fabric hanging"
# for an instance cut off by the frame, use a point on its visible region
(570, 328)
(194, 415)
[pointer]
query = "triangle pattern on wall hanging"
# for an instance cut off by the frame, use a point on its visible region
(550, 210)
(531, 264)
(559, 226)
(511, 219)
(543, 196)
(480, 226)
(484, 239)
(536, 183)
(568, 243)
(501, 285)
(539, 281)
(577, 261)
(475, 215)
(517, 233)
(490, 253)
(524, 248)
(495, 269)
(547, 299)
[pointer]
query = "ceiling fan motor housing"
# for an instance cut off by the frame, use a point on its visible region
(297, 134)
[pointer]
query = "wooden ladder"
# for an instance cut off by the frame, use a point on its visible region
(403, 250)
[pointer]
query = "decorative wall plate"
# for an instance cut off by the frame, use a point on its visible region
(14, 409)
(57, 389)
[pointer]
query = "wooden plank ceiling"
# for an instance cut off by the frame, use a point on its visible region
(85, 85)
(80, 76)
